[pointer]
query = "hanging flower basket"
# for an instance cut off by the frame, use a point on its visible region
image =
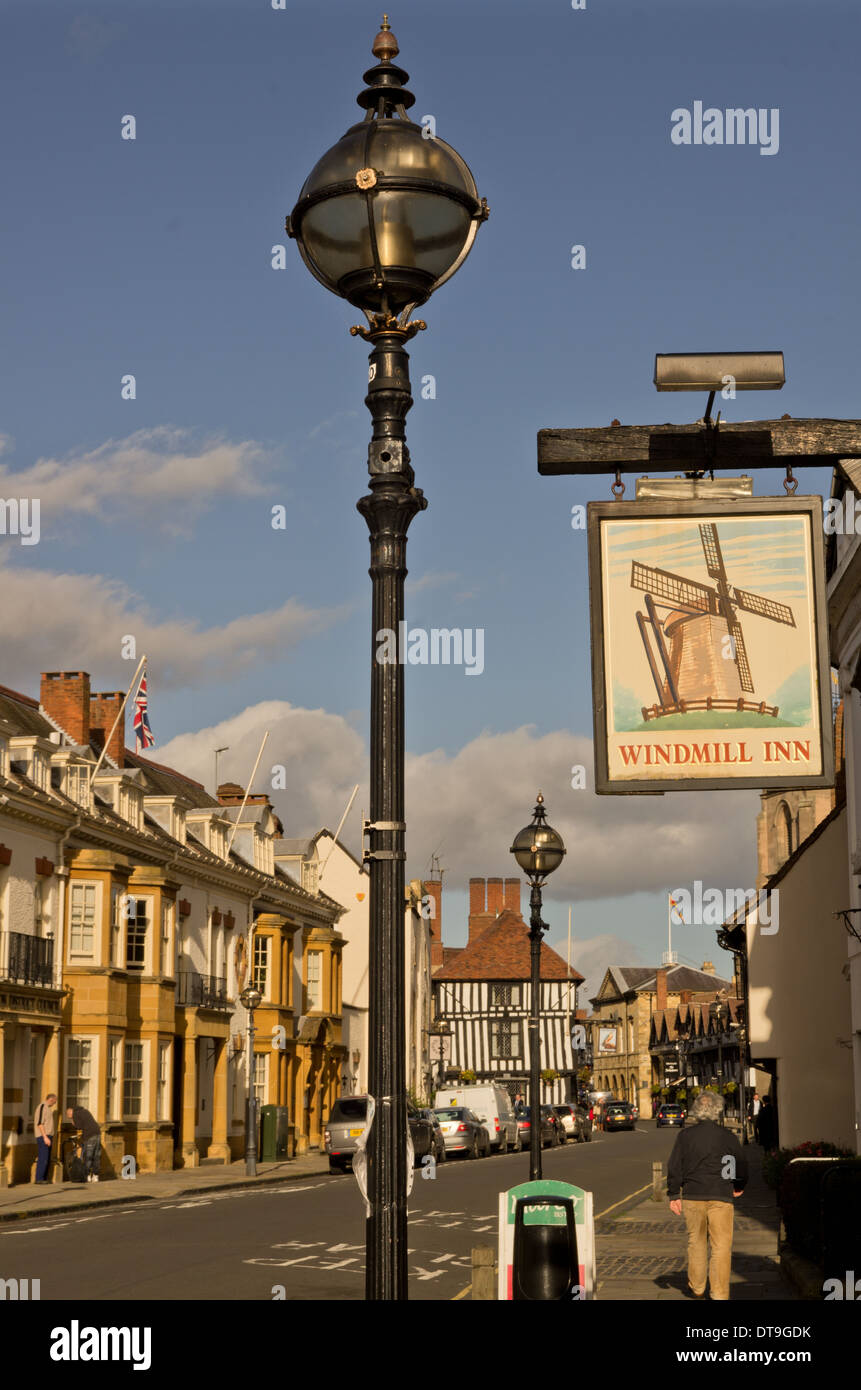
(548, 1076)
(467, 1077)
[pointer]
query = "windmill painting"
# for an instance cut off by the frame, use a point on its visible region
(710, 663)
(696, 652)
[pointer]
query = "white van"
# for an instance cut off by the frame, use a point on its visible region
(492, 1105)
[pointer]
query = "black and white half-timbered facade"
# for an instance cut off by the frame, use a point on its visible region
(482, 992)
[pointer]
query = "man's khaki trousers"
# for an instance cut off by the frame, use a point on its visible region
(709, 1222)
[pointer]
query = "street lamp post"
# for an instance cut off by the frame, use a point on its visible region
(250, 999)
(538, 849)
(384, 218)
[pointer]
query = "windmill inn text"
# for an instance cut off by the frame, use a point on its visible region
(796, 750)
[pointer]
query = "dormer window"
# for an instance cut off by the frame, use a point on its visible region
(76, 783)
(38, 770)
(130, 805)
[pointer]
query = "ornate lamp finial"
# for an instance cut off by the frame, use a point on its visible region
(385, 44)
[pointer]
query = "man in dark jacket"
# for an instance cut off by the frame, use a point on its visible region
(708, 1166)
(90, 1139)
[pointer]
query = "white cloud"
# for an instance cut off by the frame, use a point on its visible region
(474, 801)
(153, 469)
(78, 621)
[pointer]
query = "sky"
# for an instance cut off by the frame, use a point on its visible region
(153, 257)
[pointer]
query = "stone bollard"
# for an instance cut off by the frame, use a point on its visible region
(657, 1182)
(483, 1272)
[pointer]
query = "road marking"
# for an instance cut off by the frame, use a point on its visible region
(463, 1293)
(646, 1188)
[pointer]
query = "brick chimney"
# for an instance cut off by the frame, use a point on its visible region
(512, 895)
(480, 918)
(661, 989)
(65, 697)
(103, 711)
(495, 896)
(708, 967)
(433, 889)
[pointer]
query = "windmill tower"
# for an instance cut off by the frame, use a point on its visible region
(687, 649)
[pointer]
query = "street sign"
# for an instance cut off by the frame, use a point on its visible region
(710, 662)
(547, 1214)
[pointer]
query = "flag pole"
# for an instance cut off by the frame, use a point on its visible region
(141, 665)
(245, 797)
(338, 831)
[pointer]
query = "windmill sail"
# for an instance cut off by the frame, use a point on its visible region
(740, 652)
(764, 607)
(673, 589)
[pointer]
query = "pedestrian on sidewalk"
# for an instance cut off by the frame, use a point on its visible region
(90, 1139)
(708, 1167)
(43, 1128)
(766, 1124)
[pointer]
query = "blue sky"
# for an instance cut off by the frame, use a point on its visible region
(153, 257)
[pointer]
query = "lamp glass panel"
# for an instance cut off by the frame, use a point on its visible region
(424, 231)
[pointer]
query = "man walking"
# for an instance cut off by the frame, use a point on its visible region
(708, 1167)
(91, 1139)
(43, 1128)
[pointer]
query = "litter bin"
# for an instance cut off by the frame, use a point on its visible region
(546, 1242)
(273, 1133)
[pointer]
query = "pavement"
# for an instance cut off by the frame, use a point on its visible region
(642, 1253)
(29, 1199)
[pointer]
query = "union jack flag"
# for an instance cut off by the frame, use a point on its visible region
(143, 732)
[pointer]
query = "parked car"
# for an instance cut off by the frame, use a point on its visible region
(670, 1115)
(566, 1115)
(345, 1126)
(619, 1114)
(422, 1132)
(439, 1137)
(549, 1134)
(583, 1123)
(347, 1123)
(549, 1113)
(462, 1131)
(493, 1107)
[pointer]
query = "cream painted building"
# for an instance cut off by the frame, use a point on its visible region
(843, 566)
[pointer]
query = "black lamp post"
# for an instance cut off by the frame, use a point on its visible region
(383, 219)
(250, 999)
(538, 849)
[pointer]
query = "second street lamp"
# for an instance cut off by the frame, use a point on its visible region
(385, 217)
(250, 999)
(538, 849)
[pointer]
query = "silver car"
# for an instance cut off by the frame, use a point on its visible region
(345, 1126)
(463, 1131)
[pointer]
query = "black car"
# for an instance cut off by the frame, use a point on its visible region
(549, 1133)
(619, 1114)
(423, 1133)
(551, 1113)
(670, 1115)
(439, 1137)
(583, 1132)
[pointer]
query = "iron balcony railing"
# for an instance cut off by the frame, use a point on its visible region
(204, 991)
(26, 960)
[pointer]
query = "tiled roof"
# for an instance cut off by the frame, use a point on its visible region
(501, 952)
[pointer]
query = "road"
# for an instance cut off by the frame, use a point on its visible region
(305, 1238)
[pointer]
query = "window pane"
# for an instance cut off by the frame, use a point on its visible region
(133, 1079)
